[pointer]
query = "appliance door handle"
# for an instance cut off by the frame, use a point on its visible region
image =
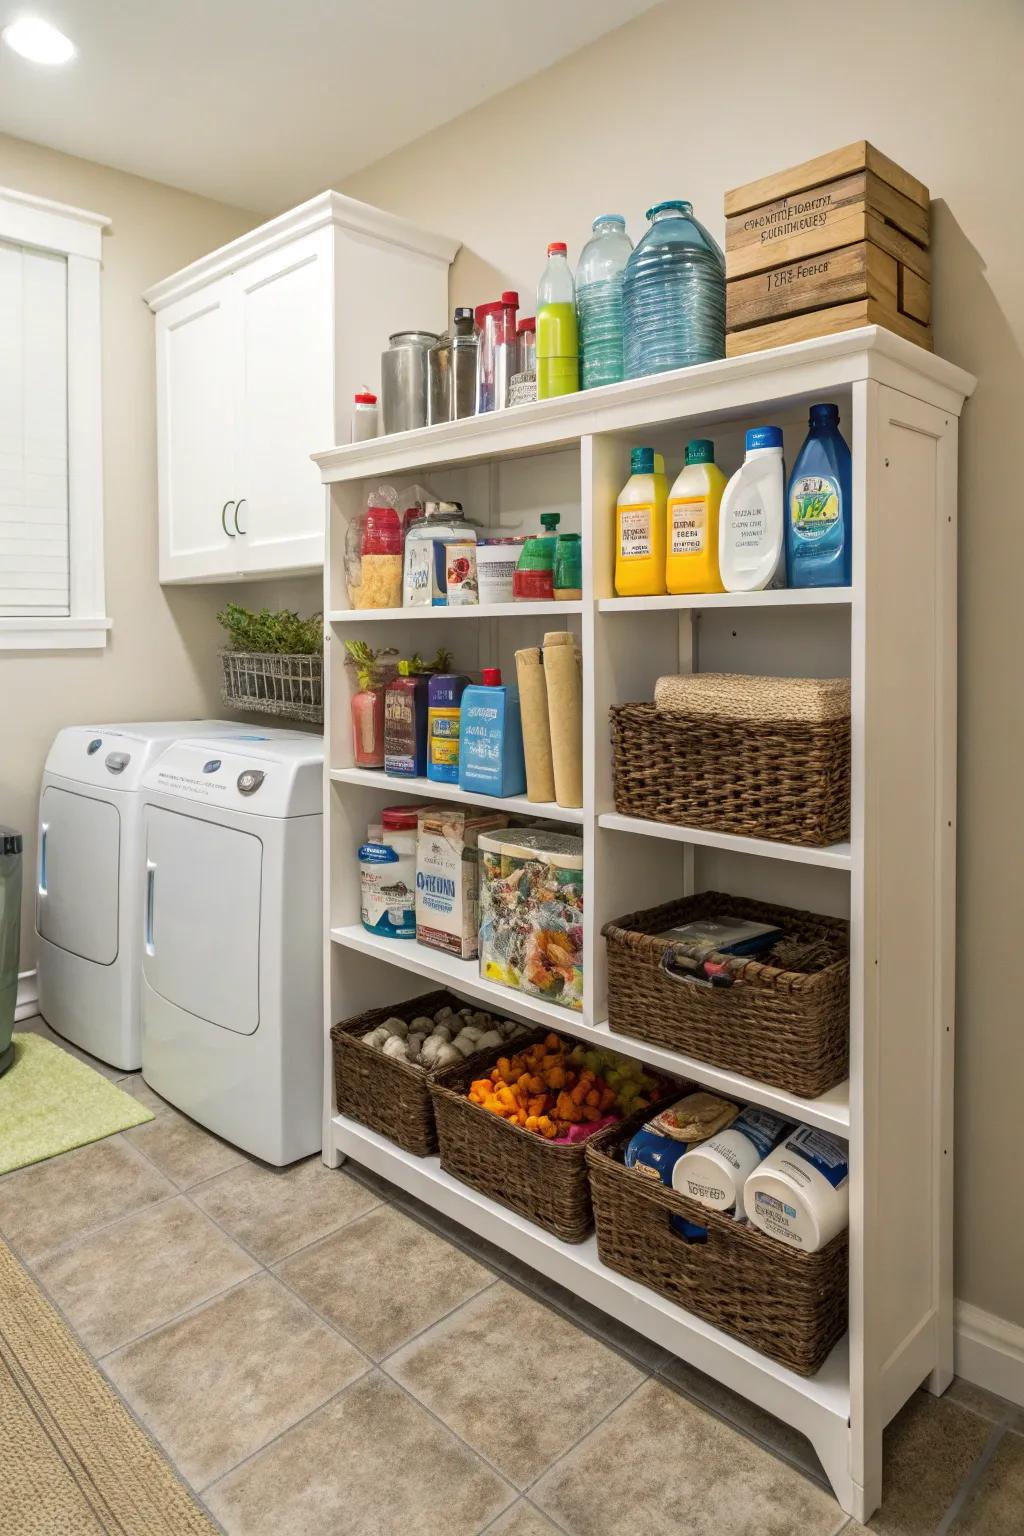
(238, 507)
(43, 833)
(150, 894)
(224, 518)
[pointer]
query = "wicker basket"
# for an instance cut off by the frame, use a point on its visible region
(387, 1094)
(792, 1306)
(542, 1180)
(763, 757)
(786, 1028)
(291, 687)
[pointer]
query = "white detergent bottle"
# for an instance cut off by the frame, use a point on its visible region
(751, 546)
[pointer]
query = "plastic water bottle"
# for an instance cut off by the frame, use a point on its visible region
(599, 301)
(558, 351)
(673, 295)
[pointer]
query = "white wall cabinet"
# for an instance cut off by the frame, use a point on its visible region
(893, 632)
(259, 349)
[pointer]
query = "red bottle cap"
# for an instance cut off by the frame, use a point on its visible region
(510, 297)
(496, 307)
(557, 248)
(491, 677)
(366, 399)
(529, 324)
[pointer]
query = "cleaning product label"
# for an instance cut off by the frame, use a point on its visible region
(824, 1152)
(387, 899)
(635, 533)
(814, 506)
(443, 744)
(749, 529)
(687, 525)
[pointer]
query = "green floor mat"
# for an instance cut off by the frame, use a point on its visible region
(50, 1102)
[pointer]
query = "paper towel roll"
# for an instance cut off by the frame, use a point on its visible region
(533, 706)
(564, 673)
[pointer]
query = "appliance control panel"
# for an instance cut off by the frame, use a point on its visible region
(278, 781)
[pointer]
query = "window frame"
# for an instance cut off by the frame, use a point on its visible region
(77, 236)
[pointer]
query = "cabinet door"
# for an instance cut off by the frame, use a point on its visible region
(196, 415)
(286, 403)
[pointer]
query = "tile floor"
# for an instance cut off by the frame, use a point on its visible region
(317, 1353)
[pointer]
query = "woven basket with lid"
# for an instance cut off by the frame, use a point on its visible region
(759, 756)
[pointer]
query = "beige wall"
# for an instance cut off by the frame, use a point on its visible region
(692, 99)
(160, 662)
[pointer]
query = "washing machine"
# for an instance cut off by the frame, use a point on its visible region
(88, 886)
(232, 954)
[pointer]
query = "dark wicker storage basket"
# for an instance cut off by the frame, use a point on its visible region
(390, 1096)
(752, 756)
(787, 1028)
(545, 1182)
(792, 1306)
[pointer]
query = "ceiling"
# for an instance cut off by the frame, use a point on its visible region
(261, 103)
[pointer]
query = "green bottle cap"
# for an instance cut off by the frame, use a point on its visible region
(549, 521)
(700, 451)
(641, 461)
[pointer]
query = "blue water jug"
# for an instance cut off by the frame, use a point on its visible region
(818, 513)
(599, 301)
(673, 295)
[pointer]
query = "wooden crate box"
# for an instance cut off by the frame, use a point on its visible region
(837, 242)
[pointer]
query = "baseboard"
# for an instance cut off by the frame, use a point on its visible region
(990, 1352)
(28, 996)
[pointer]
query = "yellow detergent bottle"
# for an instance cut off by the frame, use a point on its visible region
(691, 564)
(640, 527)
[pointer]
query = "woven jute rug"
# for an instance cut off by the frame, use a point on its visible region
(73, 1462)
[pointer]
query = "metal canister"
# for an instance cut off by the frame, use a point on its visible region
(404, 378)
(439, 364)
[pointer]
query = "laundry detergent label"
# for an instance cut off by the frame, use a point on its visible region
(443, 740)
(814, 506)
(687, 525)
(824, 1152)
(749, 531)
(635, 533)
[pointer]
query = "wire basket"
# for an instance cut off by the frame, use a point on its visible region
(288, 686)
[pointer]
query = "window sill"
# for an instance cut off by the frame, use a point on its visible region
(53, 634)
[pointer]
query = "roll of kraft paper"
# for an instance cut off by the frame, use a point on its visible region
(564, 674)
(533, 705)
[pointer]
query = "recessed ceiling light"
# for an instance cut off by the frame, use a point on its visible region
(37, 40)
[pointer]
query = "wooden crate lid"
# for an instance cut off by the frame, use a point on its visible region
(812, 173)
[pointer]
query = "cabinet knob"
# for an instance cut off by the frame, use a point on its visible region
(238, 507)
(224, 518)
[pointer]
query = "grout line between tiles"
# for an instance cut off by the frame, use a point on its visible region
(973, 1478)
(582, 1439)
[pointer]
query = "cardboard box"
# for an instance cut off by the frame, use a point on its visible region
(448, 877)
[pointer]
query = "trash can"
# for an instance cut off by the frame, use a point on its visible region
(11, 844)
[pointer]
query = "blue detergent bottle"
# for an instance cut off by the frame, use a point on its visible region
(818, 512)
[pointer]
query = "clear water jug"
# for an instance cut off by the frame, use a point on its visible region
(599, 301)
(673, 295)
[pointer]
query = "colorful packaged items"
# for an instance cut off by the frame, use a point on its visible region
(531, 913)
(448, 877)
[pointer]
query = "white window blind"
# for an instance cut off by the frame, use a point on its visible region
(34, 535)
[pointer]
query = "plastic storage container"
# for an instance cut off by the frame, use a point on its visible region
(691, 561)
(673, 295)
(387, 876)
(380, 554)
(425, 582)
(496, 351)
(531, 913)
(558, 349)
(818, 511)
(364, 417)
(599, 276)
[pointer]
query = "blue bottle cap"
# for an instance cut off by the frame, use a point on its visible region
(609, 218)
(824, 415)
(641, 461)
(764, 437)
(674, 205)
(700, 450)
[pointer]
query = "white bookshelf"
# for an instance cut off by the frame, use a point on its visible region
(893, 632)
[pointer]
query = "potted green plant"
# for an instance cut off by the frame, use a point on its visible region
(274, 662)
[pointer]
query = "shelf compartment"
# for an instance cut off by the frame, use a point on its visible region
(449, 971)
(787, 597)
(428, 789)
(837, 856)
(818, 1406)
(479, 611)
